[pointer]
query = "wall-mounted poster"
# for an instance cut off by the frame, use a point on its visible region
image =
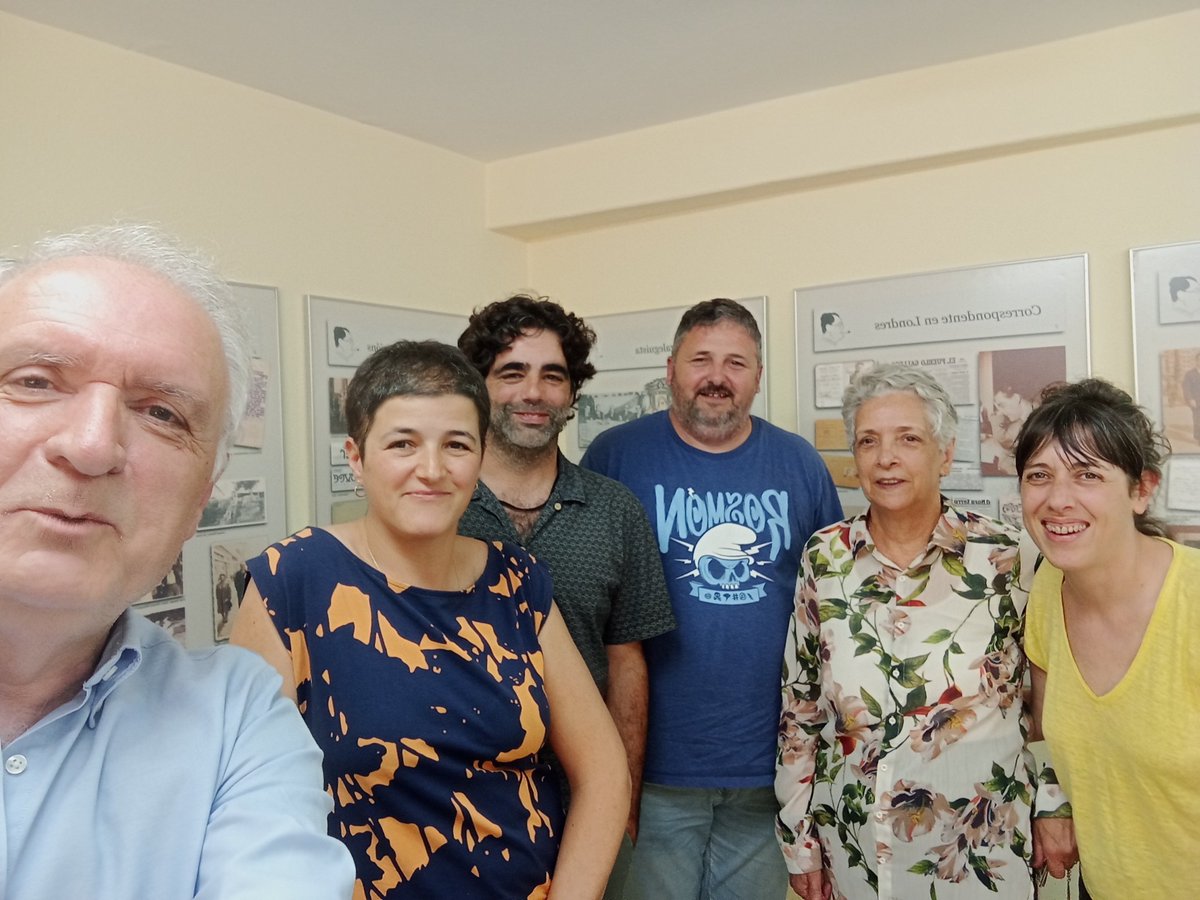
(1180, 385)
(171, 586)
(341, 334)
(171, 616)
(235, 503)
(245, 501)
(229, 579)
(993, 336)
(630, 357)
(1165, 293)
(1009, 384)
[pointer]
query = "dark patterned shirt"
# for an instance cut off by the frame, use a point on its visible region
(594, 537)
(430, 709)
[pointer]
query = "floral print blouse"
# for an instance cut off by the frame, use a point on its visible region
(902, 756)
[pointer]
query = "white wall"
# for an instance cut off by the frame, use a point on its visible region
(282, 194)
(1087, 145)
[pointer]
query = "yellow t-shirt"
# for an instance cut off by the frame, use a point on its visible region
(1129, 760)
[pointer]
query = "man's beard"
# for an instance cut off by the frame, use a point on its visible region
(525, 439)
(710, 424)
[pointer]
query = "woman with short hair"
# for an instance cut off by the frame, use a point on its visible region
(902, 769)
(433, 668)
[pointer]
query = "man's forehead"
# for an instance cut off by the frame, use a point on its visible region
(531, 347)
(724, 336)
(119, 310)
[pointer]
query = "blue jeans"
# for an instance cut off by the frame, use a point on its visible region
(707, 844)
(620, 871)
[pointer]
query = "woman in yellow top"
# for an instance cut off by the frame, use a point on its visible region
(1111, 631)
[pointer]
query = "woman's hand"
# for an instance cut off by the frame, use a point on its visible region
(1054, 846)
(811, 885)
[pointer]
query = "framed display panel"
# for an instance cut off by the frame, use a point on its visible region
(248, 507)
(992, 335)
(341, 334)
(1165, 292)
(630, 357)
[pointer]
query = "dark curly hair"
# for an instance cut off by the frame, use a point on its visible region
(1095, 421)
(492, 329)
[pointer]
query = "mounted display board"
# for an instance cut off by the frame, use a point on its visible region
(198, 598)
(630, 357)
(1165, 287)
(341, 334)
(993, 335)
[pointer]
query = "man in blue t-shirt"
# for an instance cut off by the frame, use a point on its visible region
(732, 500)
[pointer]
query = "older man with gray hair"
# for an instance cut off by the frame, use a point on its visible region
(132, 768)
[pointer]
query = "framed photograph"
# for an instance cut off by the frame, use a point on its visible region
(611, 398)
(235, 503)
(1188, 535)
(171, 586)
(1176, 283)
(341, 335)
(1179, 383)
(337, 406)
(252, 433)
(1009, 384)
(1165, 299)
(171, 616)
(229, 577)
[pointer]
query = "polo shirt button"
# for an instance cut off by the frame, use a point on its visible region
(15, 764)
(558, 507)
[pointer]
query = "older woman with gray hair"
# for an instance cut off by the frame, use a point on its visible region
(902, 769)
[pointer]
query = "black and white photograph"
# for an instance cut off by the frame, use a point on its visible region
(252, 432)
(344, 348)
(1177, 274)
(1180, 385)
(229, 577)
(171, 585)
(621, 396)
(337, 406)
(1010, 382)
(171, 616)
(235, 503)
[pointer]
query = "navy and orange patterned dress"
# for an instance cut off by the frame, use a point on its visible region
(431, 711)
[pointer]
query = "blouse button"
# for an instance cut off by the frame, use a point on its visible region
(15, 764)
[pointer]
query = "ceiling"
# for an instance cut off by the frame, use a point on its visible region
(491, 79)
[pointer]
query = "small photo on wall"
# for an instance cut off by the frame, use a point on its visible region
(1010, 382)
(229, 578)
(235, 503)
(1179, 293)
(337, 405)
(1188, 535)
(1180, 390)
(617, 397)
(252, 433)
(171, 586)
(343, 345)
(170, 616)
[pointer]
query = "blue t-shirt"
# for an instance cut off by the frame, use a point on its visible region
(730, 529)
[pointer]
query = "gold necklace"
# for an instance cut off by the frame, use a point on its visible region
(371, 553)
